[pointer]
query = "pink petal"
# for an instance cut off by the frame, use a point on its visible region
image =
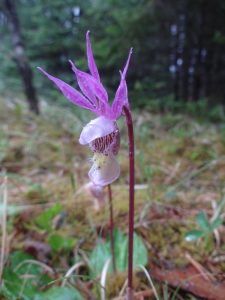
(121, 97)
(97, 128)
(90, 86)
(91, 62)
(106, 172)
(70, 93)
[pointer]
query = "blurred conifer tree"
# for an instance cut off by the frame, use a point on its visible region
(179, 45)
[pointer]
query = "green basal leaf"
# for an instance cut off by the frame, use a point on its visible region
(61, 293)
(11, 284)
(44, 220)
(193, 235)
(17, 257)
(16, 263)
(121, 250)
(99, 256)
(16, 288)
(202, 221)
(140, 256)
(59, 242)
(102, 253)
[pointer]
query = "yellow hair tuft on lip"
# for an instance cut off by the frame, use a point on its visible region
(100, 159)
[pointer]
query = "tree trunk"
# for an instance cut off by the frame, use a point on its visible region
(20, 55)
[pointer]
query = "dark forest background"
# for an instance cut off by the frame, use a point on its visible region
(179, 47)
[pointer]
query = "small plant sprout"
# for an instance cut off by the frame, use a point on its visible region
(102, 133)
(206, 226)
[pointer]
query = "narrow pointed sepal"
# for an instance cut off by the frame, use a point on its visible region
(121, 97)
(69, 92)
(91, 62)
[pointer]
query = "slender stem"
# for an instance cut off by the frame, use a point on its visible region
(111, 228)
(4, 229)
(131, 201)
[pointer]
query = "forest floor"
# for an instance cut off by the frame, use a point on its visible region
(56, 221)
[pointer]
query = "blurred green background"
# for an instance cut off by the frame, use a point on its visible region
(178, 58)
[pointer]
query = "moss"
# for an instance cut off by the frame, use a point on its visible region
(37, 193)
(171, 150)
(115, 283)
(168, 243)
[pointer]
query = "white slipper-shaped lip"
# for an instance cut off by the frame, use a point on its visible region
(104, 170)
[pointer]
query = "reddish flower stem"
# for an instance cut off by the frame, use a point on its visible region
(111, 228)
(131, 201)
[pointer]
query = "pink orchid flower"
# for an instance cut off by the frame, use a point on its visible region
(102, 133)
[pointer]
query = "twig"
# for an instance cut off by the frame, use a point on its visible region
(71, 270)
(112, 228)
(85, 258)
(82, 286)
(138, 295)
(123, 288)
(205, 274)
(35, 262)
(103, 278)
(150, 281)
(172, 173)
